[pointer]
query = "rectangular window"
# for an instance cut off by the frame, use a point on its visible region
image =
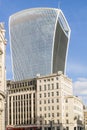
(57, 107)
(40, 95)
(58, 121)
(57, 93)
(44, 87)
(44, 101)
(52, 86)
(44, 80)
(66, 100)
(57, 114)
(52, 93)
(45, 108)
(66, 114)
(40, 109)
(48, 94)
(48, 86)
(44, 94)
(52, 114)
(48, 79)
(57, 100)
(67, 121)
(48, 114)
(67, 128)
(48, 101)
(56, 78)
(40, 115)
(40, 102)
(52, 79)
(57, 85)
(52, 100)
(40, 88)
(48, 107)
(52, 107)
(44, 115)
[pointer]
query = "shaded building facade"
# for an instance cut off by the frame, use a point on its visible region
(39, 40)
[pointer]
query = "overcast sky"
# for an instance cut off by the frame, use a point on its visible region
(75, 12)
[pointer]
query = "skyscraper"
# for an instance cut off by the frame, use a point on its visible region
(39, 41)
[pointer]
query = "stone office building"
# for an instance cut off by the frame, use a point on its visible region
(39, 102)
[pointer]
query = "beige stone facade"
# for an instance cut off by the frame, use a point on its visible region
(2, 76)
(85, 118)
(51, 91)
(73, 115)
(46, 102)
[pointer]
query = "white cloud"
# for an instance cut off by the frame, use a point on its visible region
(80, 89)
(76, 68)
(80, 86)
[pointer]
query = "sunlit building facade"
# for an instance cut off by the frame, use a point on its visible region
(2, 76)
(34, 103)
(39, 41)
(44, 103)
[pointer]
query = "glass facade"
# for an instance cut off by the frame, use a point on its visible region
(39, 39)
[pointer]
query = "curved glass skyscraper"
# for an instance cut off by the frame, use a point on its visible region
(39, 41)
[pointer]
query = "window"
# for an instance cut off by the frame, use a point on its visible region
(44, 80)
(57, 100)
(40, 88)
(57, 114)
(52, 79)
(44, 94)
(66, 114)
(40, 102)
(44, 87)
(40, 115)
(48, 86)
(44, 101)
(52, 93)
(48, 79)
(57, 93)
(52, 100)
(40, 122)
(57, 85)
(67, 128)
(56, 78)
(48, 107)
(40, 95)
(66, 100)
(52, 86)
(48, 114)
(40, 109)
(58, 121)
(45, 108)
(48, 101)
(67, 121)
(25, 83)
(44, 115)
(57, 107)
(48, 94)
(52, 107)
(45, 123)
(52, 114)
